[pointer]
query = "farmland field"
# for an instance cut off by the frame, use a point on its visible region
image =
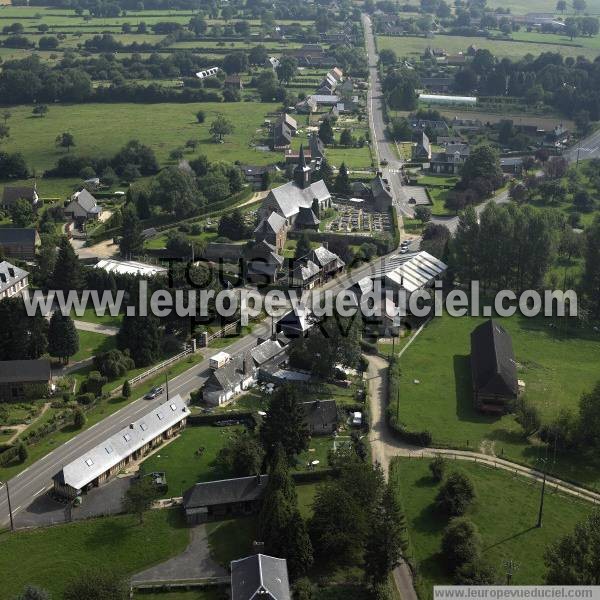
(505, 512)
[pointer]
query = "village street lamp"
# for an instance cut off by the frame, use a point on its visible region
(539, 522)
(12, 524)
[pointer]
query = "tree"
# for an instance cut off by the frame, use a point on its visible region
(96, 584)
(139, 497)
(22, 452)
(286, 71)
(461, 543)
(589, 417)
(574, 559)
(423, 213)
(303, 246)
(200, 116)
(78, 418)
(67, 271)
(221, 127)
(303, 589)
(561, 6)
(342, 184)
(21, 213)
(142, 337)
(126, 389)
(284, 422)
(63, 339)
(233, 226)
(131, 242)
(528, 417)
(571, 27)
(41, 110)
(324, 173)
(387, 57)
(483, 162)
(242, 456)
(326, 132)
(476, 572)
(385, 541)
(579, 5)
(176, 191)
(33, 593)
(4, 132)
(456, 495)
(65, 140)
(583, 201)
(346, 138)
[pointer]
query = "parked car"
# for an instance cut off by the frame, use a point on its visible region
(154, 392)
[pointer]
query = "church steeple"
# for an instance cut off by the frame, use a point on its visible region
(301, 171)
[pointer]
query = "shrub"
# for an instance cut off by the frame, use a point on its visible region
(86, 399)
(476, 572)
(437, 467)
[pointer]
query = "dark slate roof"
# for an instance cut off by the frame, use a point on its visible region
(380, 188)
(306, 216)
(24, 371)
(16, 235)
(320, 412)
(225, 491)
(265, 351)
(493, 365)
(306, 270)
(323, 257)
(260, 576)
(228, 376)
(13, 193)
(274, 223)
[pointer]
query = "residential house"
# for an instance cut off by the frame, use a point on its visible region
(260, 577)
(434, 127)
(108, 458)
(233, 82)
(320, 416)
(511, 165)
(291, 123)
(12, 193)
(325, 99)
(493, 368)
(226, 382)
(270, 352)
(329, 263)
(19, 243)
(273, 230)
(311, 55)
(451, 160)
(287, 200)
(381, 194)
(83, 207)
(281, 136)
(297, 322)
(24, 379)
(346, 89)
(422, 149)
(257, 175)
(272, 62)
(263, 261)
(438, 85)
(224, 499)
(305, 274)
(307, 107)
(211, 72)
(557, 138)
(314, 154)
(13, 280)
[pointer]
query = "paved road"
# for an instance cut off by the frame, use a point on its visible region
(96, 327)
(587, 148)
(33, 481)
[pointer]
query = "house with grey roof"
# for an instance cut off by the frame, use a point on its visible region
(422, 149)
(12, 193)
(226, 498)
(450, 160)
(288, 199)
(83, 207)
(235, 376)
(273, 230)
(260, 576)
(329, 262)
(320, 416)
(262, 262)
(19, 242)
(297, 322)
(381, 194)
(14, 281)
(266, 351)
(108, 458)
(22, 379)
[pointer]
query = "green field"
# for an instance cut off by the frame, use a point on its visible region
(49, 557)
(556, 369)
(505, 512)
(91, 343)
(180, 462)
(213, 593)
(101, 129)
(412, 47)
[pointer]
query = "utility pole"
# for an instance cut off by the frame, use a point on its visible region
(539, 522)
(511, 567)
(10, 513)
(167, 384)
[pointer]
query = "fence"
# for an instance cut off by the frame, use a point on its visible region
(160, 366)
(205, 338)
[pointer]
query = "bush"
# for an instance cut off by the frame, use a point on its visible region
(78, 418)
(528, 417)
(22, 452)
(437, 467)
(455, 495)
(93, 384)
(85, 399)
(461, 543)
(476, 572)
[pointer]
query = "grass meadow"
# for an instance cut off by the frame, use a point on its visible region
(557, 368)
(50, 557)
(505, 512)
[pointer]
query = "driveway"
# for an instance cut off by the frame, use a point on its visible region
(194, 563)
(96, 327)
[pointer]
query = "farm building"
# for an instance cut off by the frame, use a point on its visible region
(13, 280)
(21, 379)
(129, 267)
(224, 499)
(12, 193)
(102, 462)
(19, 243)
(446, 99)
(320, 416)
(260, 576)
(493, 368)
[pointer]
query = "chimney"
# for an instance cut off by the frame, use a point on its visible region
(11, 271)
(325, 245)
(130, 425)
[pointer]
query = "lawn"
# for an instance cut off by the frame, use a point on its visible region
(556, 367)
(412, 47)
(91, 343)
(49, 557)
(505, 512)
(90, 316)
(34, 137)
(211, 593)
(180, 462)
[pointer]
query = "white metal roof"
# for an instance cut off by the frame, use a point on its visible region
(129, 267)
(98, 460)
(417, 272)
(447, 99)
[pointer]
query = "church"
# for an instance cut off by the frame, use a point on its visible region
(298, 201)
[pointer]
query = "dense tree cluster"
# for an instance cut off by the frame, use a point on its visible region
(26, 337)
